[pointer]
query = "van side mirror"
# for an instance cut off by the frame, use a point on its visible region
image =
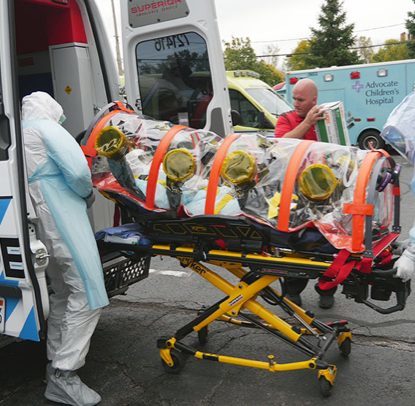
(236, 118)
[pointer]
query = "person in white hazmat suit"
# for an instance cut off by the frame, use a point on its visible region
(61, 190)
(405, 265)
(399, 131)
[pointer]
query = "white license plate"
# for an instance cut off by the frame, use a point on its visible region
(2, 314)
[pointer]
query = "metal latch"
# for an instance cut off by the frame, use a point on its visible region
(41, 257)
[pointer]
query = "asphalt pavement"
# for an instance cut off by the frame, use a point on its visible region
(124, 365)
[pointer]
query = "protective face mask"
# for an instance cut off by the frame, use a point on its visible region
(62, 119)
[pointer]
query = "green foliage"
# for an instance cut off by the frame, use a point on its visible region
(269, 73)
(331, 42)
(392, 51)
(239, 54)
(410, 26)
(298, 60)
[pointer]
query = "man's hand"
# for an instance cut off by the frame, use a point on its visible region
(316, 113)
(90, 199)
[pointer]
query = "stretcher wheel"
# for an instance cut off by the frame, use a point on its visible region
(202, 335)
(178, 362)
(346, 347)
(325, 387)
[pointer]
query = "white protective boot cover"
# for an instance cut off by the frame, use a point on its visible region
(66, 387)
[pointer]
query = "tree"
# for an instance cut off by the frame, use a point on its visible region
(393, 50)
(299, 60)
(410, 26)
(269, 73)
(365, 50)
(331, 42)
(239, 54)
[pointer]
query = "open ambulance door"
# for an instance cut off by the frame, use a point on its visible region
(173, 59)
(59, 47)
(23, 259)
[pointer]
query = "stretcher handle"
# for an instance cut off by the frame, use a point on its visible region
(289, 182)
(401, 296)
(156, 163)
(215, 173)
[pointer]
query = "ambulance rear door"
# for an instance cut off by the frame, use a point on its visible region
(23, 259)
(174, 68)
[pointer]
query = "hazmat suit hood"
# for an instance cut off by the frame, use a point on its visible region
(40, 105)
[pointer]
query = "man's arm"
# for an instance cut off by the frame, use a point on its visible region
(287, 131)
(298, 132)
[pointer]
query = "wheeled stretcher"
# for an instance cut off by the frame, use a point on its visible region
(260, 209)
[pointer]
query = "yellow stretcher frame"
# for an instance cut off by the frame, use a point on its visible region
(241, 307)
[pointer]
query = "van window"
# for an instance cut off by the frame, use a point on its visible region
(175, 79)
(267, 98)
(249, 113)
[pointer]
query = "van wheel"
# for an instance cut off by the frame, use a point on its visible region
(371, 140)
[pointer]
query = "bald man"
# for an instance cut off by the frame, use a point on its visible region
(299, 123)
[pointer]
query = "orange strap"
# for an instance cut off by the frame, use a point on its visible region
(289, 182)
(361, 209)
(359, 199)
(215, 173)
(156, 163)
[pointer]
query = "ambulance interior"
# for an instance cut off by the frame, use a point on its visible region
(54, 55)
(58, 52)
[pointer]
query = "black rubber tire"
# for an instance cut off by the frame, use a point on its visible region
(178, 363)
(346, 347)
(325, 387)
(202, 336)
(371, 139)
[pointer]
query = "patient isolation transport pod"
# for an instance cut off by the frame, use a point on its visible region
(351, 196)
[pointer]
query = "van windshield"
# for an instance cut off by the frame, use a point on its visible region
(272, 102)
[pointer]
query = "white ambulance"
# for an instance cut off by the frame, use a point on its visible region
(61, 47)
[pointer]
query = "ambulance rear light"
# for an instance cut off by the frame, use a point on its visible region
(382, 73)
(370, 119)
(355, 75)
(328, 77)
(293, 80)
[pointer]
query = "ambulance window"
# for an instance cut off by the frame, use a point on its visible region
(174, 78)
(249, 113)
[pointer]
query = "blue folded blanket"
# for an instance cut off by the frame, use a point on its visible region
(126, 234)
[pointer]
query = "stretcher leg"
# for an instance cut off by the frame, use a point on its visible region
(240, 307)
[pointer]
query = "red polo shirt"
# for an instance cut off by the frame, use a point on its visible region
(288, 121)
